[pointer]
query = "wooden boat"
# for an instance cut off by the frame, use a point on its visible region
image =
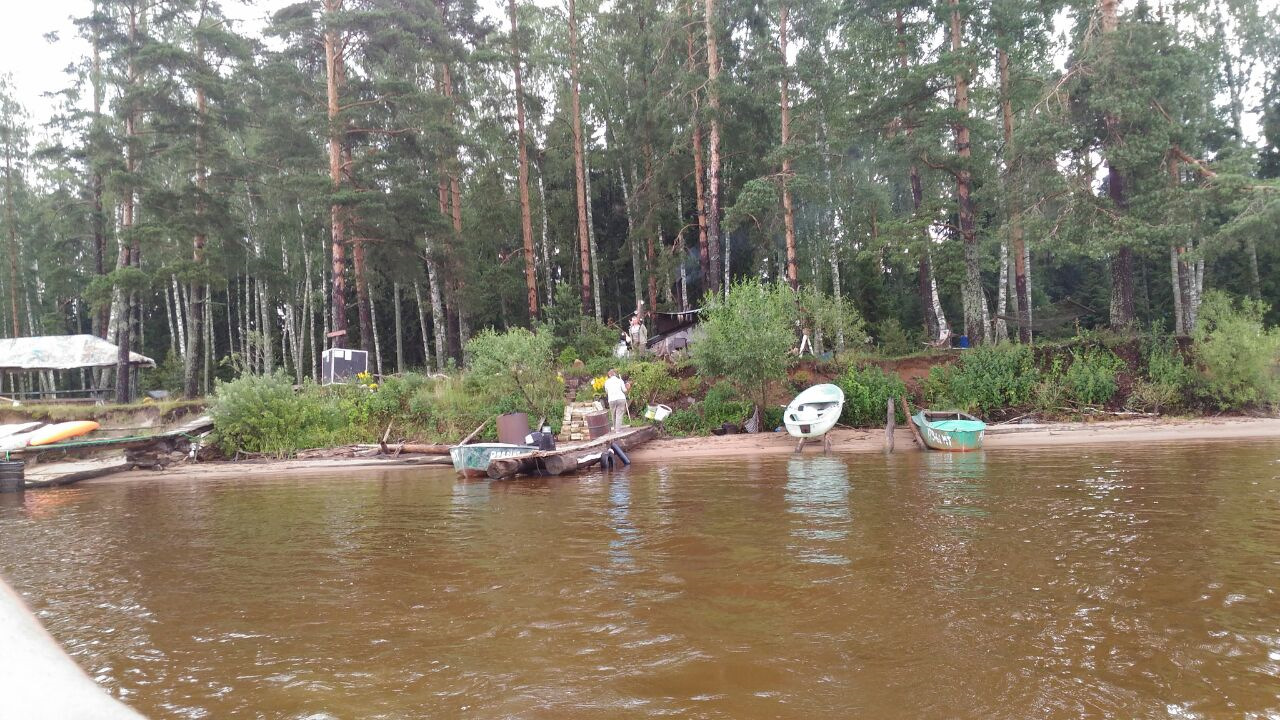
(571, 458)
(61, 431)
(473, 460)
(950, 430)
(814, 412)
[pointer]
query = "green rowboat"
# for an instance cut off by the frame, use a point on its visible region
(473, 460)
(952, 430)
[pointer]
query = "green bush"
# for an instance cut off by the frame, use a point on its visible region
(1050, 393)
(771, 419)
(569, 328)
(1090, 379)
(513, 372)
(1165, 382)
(866, 393)
(1237, 353)
(988, 378)
(263, 414)
(650, 382)
(723, 405)
(893, 340)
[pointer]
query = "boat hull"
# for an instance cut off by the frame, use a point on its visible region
(946, 439)
(814, 412)
(473, 460)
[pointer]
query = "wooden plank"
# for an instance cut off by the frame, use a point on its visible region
(915, 431)
(475, 432)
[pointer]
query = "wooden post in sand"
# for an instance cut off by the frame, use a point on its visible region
(888, 426)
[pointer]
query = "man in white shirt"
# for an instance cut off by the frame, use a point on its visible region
(616, 390)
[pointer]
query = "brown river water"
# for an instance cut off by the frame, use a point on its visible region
(1116, 582)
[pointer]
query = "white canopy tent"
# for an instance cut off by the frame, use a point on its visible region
(63, 352)
(48, 356)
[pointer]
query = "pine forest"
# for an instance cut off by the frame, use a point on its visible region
(399, 175)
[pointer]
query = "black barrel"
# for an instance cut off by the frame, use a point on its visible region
(11, 480)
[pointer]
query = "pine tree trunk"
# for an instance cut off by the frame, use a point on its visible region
(1021, 291)
(129, 247)
(935, 323)
(579, 165)
(788, 213)
(1122, 305)
(977, 325)
(333, 73)
(103, 316)
(526, 217)
(695, 124)
(713, 169)
(596, 281)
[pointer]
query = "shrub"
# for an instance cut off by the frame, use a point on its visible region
(1091, 377)
(263, 414)
(651, 381)
(866, 392)
(513, 372)
(722, 405)
(893, 340)
(1165, 382)
(1237, 354)
(569, 328)
(988, 378)
(1050, 393)
(748, 335)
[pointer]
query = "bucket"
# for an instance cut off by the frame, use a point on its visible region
(512, 428)
(11, 476)
(657, 413)
(598, 424)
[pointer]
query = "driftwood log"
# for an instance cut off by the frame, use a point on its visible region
(569, 458)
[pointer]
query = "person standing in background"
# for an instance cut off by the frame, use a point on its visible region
(616, 391)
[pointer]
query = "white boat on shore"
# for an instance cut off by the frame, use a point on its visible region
(814, 412)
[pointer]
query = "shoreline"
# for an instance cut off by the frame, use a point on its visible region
(1031, 436)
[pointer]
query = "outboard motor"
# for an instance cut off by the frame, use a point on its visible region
(541, 440)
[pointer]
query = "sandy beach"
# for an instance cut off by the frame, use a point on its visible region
(844, 440)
